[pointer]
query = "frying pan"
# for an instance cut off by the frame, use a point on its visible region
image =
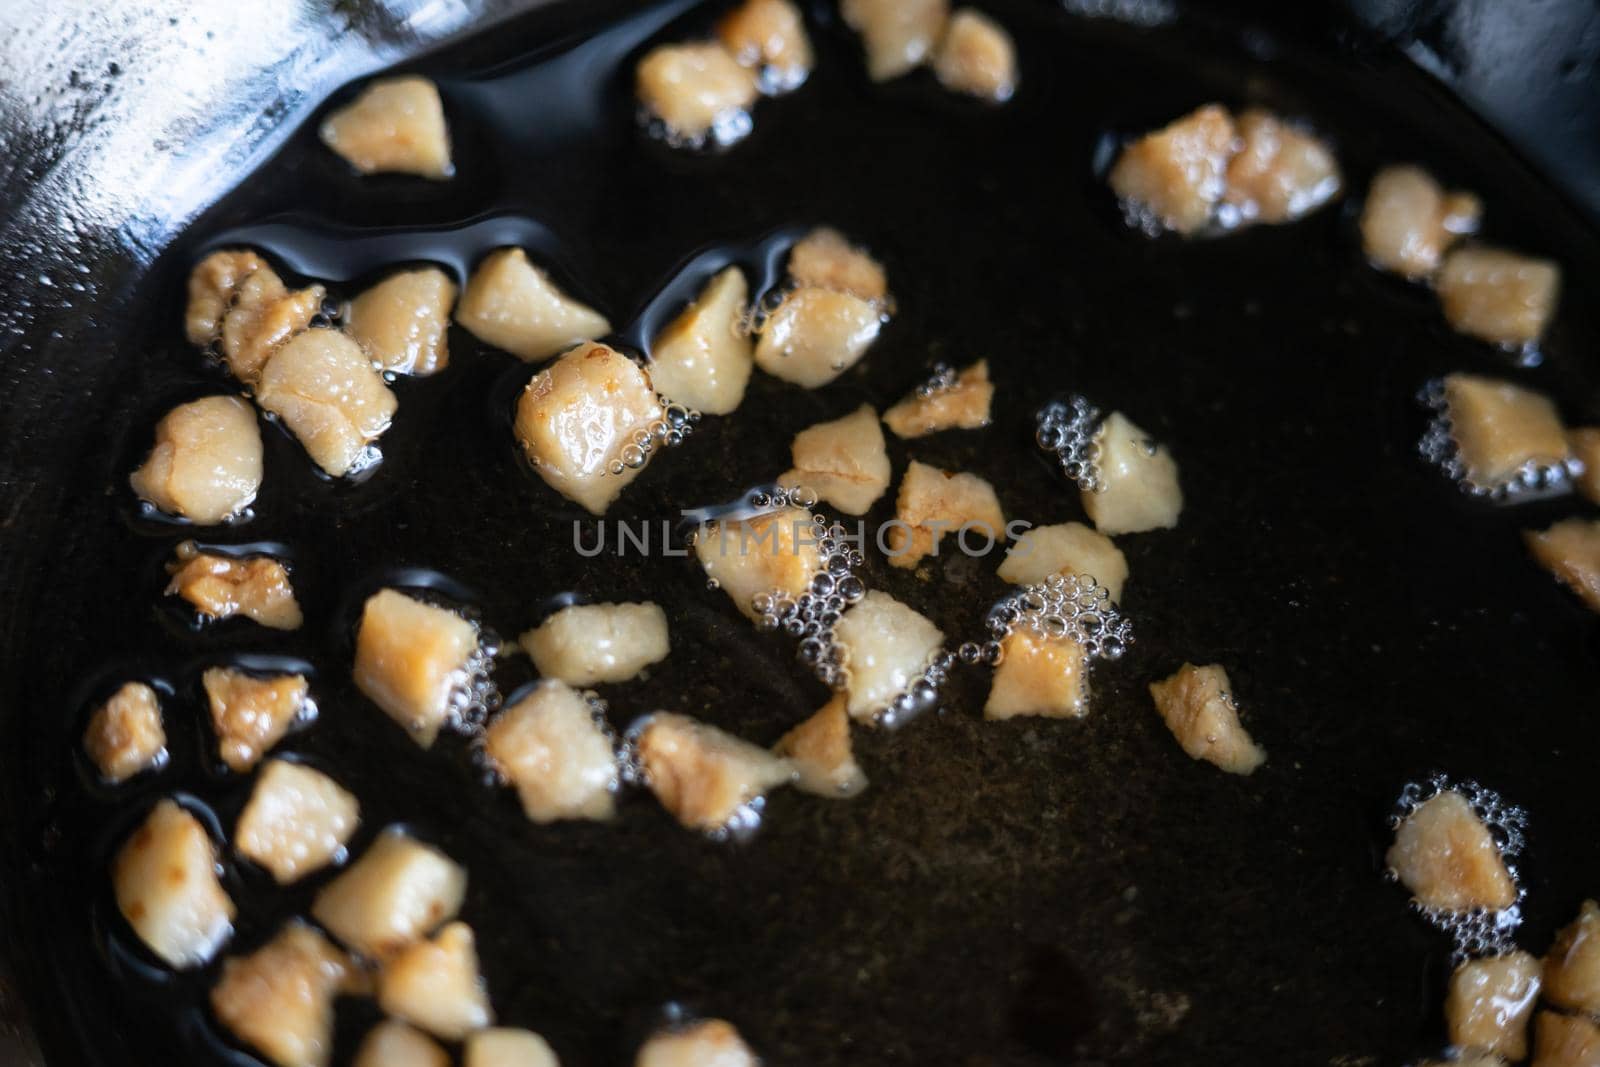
(1031, 892)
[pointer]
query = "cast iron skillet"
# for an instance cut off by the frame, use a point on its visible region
(1024, 893)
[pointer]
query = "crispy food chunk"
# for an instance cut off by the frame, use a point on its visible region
(819, 749)
(775, 551)
(1445, 855)
(933, 502)
(697, 91)
(550, 746)
(504, 1047)
(1175, 177)
(298, 820)
(1584, 446)
(249, 714)
(1498, 296)
(1490, 1002)
(435, 984)
(707, 1043)
(1565, 1041)
(324, 389)
(579, 421)
(401, 322)
(1409, 222)
(1280, 173)
(703, 359)
(1139, 481)
(976, 56)
(815, 335)
(825, 259)
(1070, 548)
(898, 35)
(769, 36)
(1197, 706)
(165, 879)
(206, 463)
(587, 644)
(887, 647)
(279, 999)
(213, 284)
(1499, 428)
(702, 775)
(396, 126)
(125, 735)
(220, 587)
(412, 659)
(264, 315)
(1572, 966)
(844, 462)
(962, 406)
(1570, 550)
(1037, 676)
(400, 890)
(395, 1044)
(512, 304)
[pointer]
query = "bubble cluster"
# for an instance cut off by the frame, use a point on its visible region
(669, 431)
(1069, 429)
(1438, 446)
(1062, 607)
(942, 380)
(729, 127)
(473, 694)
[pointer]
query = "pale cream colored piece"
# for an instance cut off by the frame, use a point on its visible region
(933, 503)
(1446, 856)
(298, 820)
(769, 35)
(1280, 173)
(435, 984)
(1176, 176)
(963, 406)
(1069, 548)
(1490, 1002)
(703, 359)
(1583, 444)
(1570, 550)
(887, 647)
(324, 388)
(395, 126)
(701, 774)
(411, 658)
(264, 314)
(400, 890)
(898, 35)
(551, 748)
(707, 1043)
(402, 322)
(1039, 677)
(772, 552)
(976, 56)
(1197, 705)
(1565, 1041)
(220, 587)
(505, 1047)
(249, 715)
(1572, 966)
(1139, 481)
(206, 463)
(578, 418)
(696, 90)
(1409, 222)
(213, 284)
(512, 304)
(815, 335)
(589, 644)
(165, 880)
(395, 1044)
(125, 735)
(1498, 296)
(844, 462)
(825, 259)
(819, 749)
(1499, 428)
(279, 999)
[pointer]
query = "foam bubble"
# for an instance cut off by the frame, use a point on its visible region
(1070, 429)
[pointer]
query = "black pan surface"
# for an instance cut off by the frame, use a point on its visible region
(1031, 892)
